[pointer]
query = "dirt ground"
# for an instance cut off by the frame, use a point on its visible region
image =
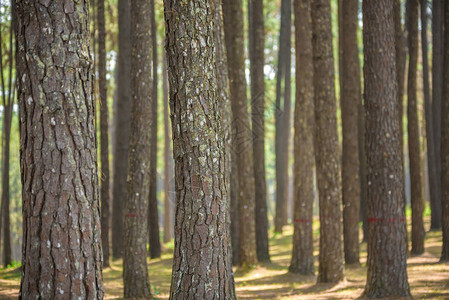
(428, 279)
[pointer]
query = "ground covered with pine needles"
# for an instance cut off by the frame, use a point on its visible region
(428, 279)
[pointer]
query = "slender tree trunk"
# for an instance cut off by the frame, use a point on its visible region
(242, 145)
(302, 255)
(331, 268)
(445, 139)
(400, 47)
(120, 163)
(8, 102)
(437, 90)
(202, 264)
(62, 255)
(104, 130)
(413, 132)
(282, 115)
(153, 214)
(135, 269)
(256, 37)
(350, 101)
(168, 169)
(433, 179)
(387, 251)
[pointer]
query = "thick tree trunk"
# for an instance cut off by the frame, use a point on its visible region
(62, 256)
(431, 162)
(445, 139)
(202, 257)
(135, 269)
(417, 200)
(350, 101)
(256, 38)
(242, 143)
(169, 188)
(327, 154)
(437, 90)
(302, 255)
(153, 214)
(282, 115)
(387, 252)
(104, 130)
(120, 163)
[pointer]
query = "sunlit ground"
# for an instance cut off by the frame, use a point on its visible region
(428, 279)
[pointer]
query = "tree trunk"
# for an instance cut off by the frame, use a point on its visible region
(120, 163)
(433, 179)
(242, 144)
(302, 255)
(135, 269)
(282, 115)
(168, 169)
(387, 252)
(437, 90)
(445, 139)
(62, 256)
(331, 268)
(7, 118)
(202, 257)
(350, 102)
(256, 38)
(104, 139)
(413, 132)
(153, 214)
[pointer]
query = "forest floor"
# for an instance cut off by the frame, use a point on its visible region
(428, 279)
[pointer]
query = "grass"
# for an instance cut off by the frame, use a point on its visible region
(428, 279)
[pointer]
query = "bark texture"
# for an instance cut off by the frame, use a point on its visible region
(169, 188)
(198, 102)
(302, 255)
(256, 39)
(417, 201)
(242, 142)
(430, 141)
(120, 163)
(104, 133)
(327, 154)
(445, 140)
(62, 256)
(282, 115)
(135, 269)
(153, 214)
(350, 101)
(437, 92)
(387, 251)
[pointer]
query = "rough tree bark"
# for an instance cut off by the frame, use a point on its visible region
(387, 251)
(350, 101)
(437, 90)
(104, 133)
(62, 256)
(445, 139)
(431, 162)
(168, 159)
(242, 144)
(282, 115)
(417, 201)
(327, 154)
(120, 163)
(302, 255)
(256, 38)
(135, 269)
(153, 214)
(198, 101)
